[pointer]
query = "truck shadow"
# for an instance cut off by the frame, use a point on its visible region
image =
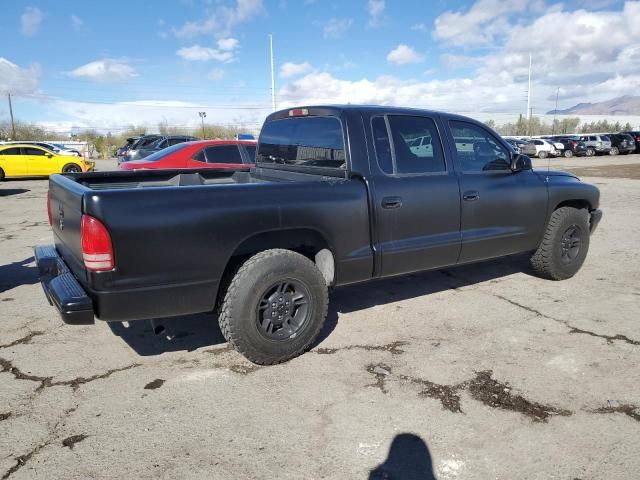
(188, 333)
(6, 192)
(14, 274)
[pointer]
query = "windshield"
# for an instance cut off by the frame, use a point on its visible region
(154, 157)
(303, 141)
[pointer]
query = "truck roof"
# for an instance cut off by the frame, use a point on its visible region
(338, 108)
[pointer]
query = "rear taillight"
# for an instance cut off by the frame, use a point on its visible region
(298, 112)
(49, 208)
(97, 250)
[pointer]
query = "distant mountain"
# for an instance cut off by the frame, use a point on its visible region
(625, 105)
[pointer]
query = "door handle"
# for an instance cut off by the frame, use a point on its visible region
(391, 202)
(470, 196)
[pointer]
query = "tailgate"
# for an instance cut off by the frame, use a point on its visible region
(66, 198)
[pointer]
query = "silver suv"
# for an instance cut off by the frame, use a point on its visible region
(596, 144)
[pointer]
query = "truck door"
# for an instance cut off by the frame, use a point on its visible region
(502, 212)
(417, 198)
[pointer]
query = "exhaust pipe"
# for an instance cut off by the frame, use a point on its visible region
(158, 328)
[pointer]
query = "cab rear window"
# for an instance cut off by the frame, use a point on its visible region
(303, 141)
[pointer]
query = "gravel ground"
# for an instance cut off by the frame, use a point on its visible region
(478, 372)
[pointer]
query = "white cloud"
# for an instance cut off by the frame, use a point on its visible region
(481, 24)
(289, 69)
(403, 54)
(228, 44)
(202, 54)
(222, 20)
(17, 80)
(105, 70)
(216, 74)
(336, 27)
(76, 22)
(30, 20)
(375, 8)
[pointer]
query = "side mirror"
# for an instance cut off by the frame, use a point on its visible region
(48, 155)
(520, 162)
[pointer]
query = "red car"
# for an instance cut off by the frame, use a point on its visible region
(200, 154)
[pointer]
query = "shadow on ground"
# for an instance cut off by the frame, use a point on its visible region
(14, 274)
(188, 333)
(408, 459)
(5, 192)
(185, 333)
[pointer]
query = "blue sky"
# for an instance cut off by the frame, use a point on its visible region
(108, 64)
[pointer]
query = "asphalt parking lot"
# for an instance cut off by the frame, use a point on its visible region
(478, 372)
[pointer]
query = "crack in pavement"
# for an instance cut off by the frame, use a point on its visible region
(629, 410)
(46, 382)
(380, 371)
(24, 340)
(4, 416)
(482, 388)
(393, 348)
(22, 460)
(447, 394)
(609, 338)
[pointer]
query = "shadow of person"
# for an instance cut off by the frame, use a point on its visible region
(408, 459)
(15, 274)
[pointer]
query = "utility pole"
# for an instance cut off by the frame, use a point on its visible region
(13, 125)
(273, 75)
(202, 117)
(529, 99)
(555, 112)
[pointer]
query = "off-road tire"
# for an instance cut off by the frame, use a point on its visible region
(568, 153)
(71, 168)
(543, 154)
(548, 261)
(239, 311)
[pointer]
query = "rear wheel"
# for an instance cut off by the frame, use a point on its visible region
(71, 168)
(564, 245)
(568, 153)
(542, 154)
(590, 152)
(274, 307)
(614, 151)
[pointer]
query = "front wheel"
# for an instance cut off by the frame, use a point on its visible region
(564, 245)
(275, 306)
(71, 168)
(542, 154)
(568, 153)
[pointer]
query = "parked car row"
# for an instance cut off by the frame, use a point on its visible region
(577, 145)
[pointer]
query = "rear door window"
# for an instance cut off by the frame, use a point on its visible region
(416, 145)
(223, 154)
(303, 141)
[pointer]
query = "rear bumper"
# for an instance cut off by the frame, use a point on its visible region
(62, 289)
(596, 216)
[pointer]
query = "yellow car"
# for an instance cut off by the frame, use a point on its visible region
(24, 160)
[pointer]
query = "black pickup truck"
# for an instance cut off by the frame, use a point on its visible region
(339, 195)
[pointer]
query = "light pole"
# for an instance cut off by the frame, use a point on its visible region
(203, 115)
